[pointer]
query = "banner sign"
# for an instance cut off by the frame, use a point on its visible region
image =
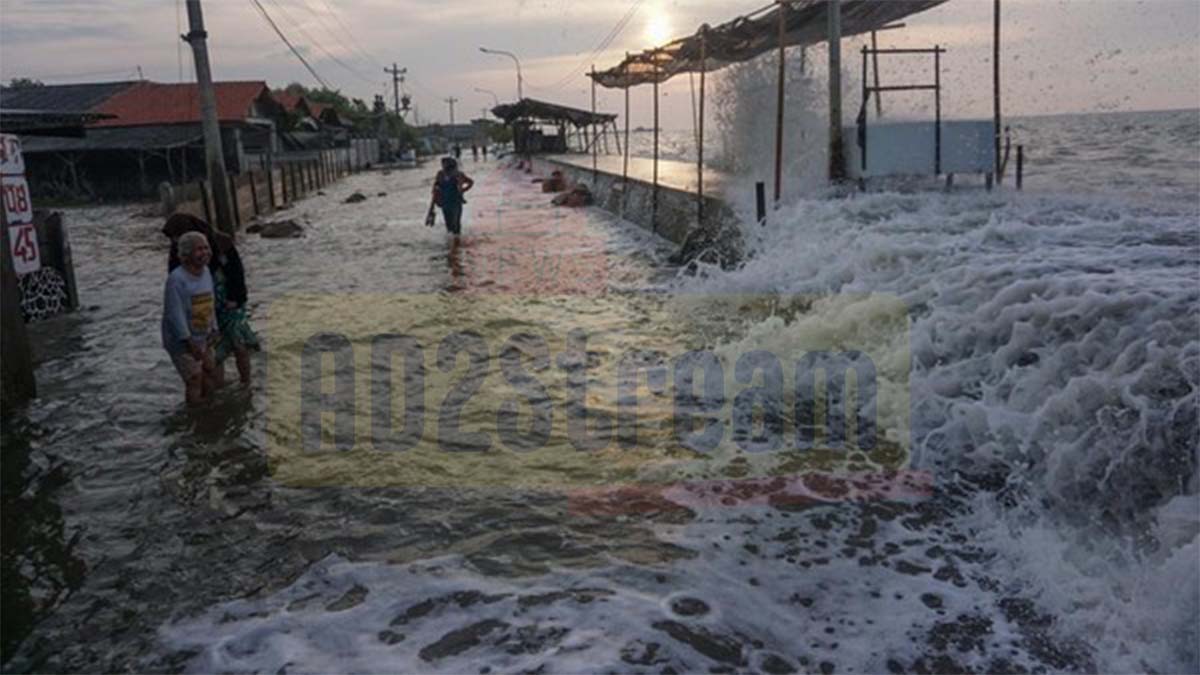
(18, 207)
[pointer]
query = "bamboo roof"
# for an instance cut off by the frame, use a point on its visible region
(748, 36)
(532, 109)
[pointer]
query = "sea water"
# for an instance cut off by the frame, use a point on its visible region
(1046, 516)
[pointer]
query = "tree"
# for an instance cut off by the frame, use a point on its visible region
(24, 83)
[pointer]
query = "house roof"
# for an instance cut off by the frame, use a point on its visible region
(66, 98)
(292, 101)
(45, 122)
(528, 108)
(149, 103)
(805, 23)
(119, 138)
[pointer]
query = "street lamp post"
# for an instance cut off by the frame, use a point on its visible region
(485, 50)
(495, 98)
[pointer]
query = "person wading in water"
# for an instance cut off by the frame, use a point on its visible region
(449, 186)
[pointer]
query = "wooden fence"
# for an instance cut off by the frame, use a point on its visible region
(260, 192)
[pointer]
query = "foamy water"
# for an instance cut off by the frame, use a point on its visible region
(1055, 364)
(1051, 363)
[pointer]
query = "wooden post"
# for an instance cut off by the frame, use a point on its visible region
(837, 165)
(625, 161)
(617, 138)
(760, 202)
(253, 194)
(779, 102)
(595, 150)
(937, 110)
(875, 67)
(654, 197)
(17, 382)
(141, 160)
(233, 203)
(1020, 166)
(283, 182)
(700, 128)
(996, 82)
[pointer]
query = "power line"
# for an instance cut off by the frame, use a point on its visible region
(613, 33)
(283, 37)
(350, 35)
(305, 34)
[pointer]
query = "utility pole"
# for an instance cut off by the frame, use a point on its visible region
(452, 101)
(213, 154)
(397, 79)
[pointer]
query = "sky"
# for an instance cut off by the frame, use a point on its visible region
(1058, 56)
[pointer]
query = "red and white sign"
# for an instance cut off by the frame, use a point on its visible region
(18, 207)
(23, 241)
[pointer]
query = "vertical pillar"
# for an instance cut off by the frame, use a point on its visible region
(875, 67)
(654, 194)
(779, 101)
(996, 82)
(233, 203)
(937, 111)
(625, 161)
(837, 166)
(700, 128)
(595, 149)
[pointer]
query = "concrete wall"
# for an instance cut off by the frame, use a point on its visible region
(677, 214)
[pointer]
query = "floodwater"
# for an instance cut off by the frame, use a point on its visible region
(1028, 504)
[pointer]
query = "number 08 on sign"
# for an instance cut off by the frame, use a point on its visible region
(18, 208)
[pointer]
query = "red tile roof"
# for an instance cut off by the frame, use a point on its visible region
(148, 103)
(290, 101)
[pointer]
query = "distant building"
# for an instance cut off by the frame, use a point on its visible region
(152, 133)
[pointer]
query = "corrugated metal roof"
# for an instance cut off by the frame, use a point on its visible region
(528, 108)
(72, 98)
(155, 137)
(805, 22)
(45, 122)
(155, 103)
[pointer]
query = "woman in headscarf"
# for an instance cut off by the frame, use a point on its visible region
(229, 283)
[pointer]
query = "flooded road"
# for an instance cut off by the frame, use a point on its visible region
(280, 529)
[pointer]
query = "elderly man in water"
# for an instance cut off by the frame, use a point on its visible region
(189, 324)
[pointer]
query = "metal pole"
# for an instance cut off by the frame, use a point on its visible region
(654, 199)
(866, 93)
(875, 66)
(625, 163)
(700, 128)
(213, 152)
(996, 81)
(837, 167)
(1020, 166)
(779, 102)
(937, 110)
(595, 169)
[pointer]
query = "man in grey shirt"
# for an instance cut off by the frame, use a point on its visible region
(189, 324)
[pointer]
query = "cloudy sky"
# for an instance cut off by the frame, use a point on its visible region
(1058, 55)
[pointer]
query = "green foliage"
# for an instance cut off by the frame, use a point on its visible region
(24, 83)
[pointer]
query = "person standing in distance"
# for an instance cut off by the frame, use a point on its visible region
(449, 186)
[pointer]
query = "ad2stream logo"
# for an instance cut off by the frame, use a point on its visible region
(766, 395)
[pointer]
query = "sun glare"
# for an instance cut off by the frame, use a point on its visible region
(658, 28)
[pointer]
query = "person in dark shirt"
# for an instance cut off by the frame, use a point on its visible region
(449, 186)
